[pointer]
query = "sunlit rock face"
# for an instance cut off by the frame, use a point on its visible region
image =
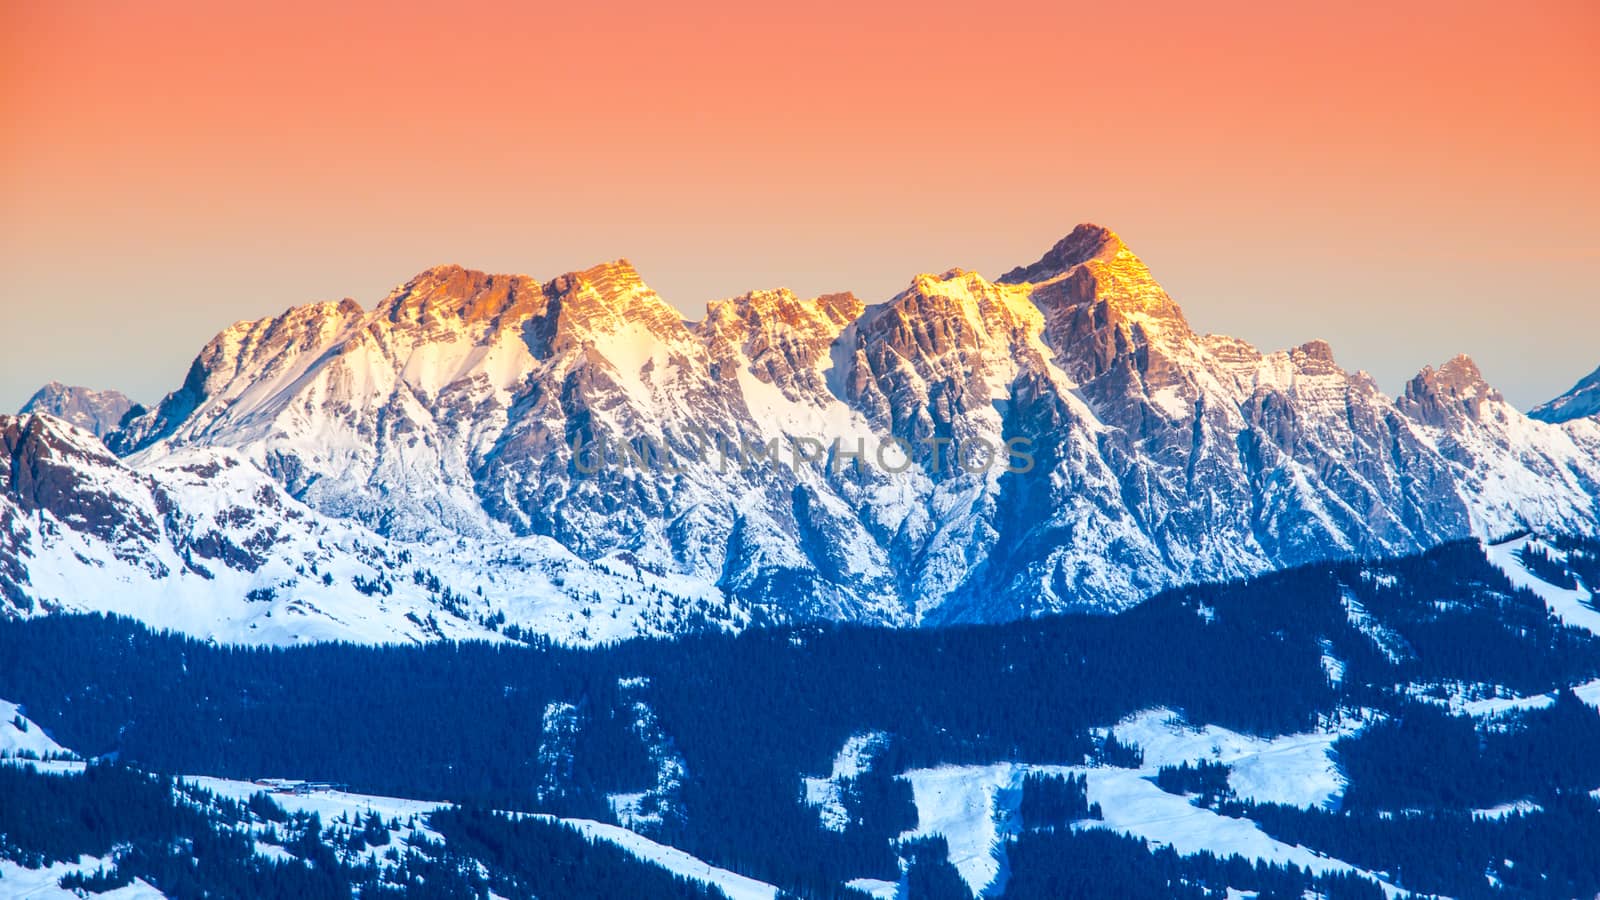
(966, 450)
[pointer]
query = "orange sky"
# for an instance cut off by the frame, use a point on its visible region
(1406, 180)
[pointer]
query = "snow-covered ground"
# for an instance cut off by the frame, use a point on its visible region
(1589, 692)
(1295, 770)
(328, 805)
(29, 738)
(876, 888)
(331, 806)
(736, 886)
(1384, 638)
(1133, 805)
(1480, 701)
(1507, 809)
(975, 807)
(201, 540)
(1567, 605)
(18, 883)
(854, 758)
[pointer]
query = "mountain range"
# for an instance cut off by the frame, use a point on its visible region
(495, 456)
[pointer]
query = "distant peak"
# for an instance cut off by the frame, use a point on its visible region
(40, 433)
(1315, 358)
(95, 411)
(1582, 401)
(1092, 266)
(448, 278)
(1087, 241)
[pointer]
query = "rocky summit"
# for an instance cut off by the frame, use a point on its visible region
(488, 454)
(96, 411)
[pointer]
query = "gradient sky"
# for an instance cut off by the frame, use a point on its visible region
(1409, 181)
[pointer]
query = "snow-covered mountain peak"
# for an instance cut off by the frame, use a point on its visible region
(1087, 241)
(994, 309)
(49, 467)
(1583, 401)
(42, 436)
(1101, 303)
(777, 337)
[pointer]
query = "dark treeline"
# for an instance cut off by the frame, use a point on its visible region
(1582, 562)
(1545, 565)
(1054, 801)
(1065, 864)
(750, 715)
(191, 844)
(1422, 758)
(1545, 853)
(1208, 780)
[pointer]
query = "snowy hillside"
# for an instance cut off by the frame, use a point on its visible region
(1424, 726)
(202, 541)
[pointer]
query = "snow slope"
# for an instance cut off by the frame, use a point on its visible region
(975, 809)
(29, 738)
(1570, 606)
(736, 886)
(854, 759)
(21, 883)
(1294, 770)
(331, 805)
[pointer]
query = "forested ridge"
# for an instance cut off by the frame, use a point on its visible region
(544, 728)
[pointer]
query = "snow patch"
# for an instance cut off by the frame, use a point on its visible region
(854, 759)
(875, 888)
(28, 738)
(1294, 770)
(973, 808)
(1507, 809)
(1386, 640)
(45, 883)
